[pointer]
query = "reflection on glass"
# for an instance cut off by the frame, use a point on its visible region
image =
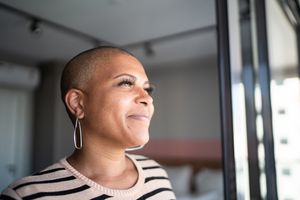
(285, 97)
(260, 135)
(286, 115)
(240, 144)
(238, 104)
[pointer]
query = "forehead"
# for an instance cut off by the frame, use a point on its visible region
(118, 64)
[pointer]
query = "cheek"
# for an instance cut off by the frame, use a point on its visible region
(116, 107)
(96, 110)
(108, 109)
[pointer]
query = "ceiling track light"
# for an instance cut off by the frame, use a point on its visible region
(148, 49)
(35, 27)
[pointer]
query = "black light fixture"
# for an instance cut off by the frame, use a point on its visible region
(148, 49)
(35, 27)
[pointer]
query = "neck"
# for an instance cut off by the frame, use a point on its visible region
(98, 162)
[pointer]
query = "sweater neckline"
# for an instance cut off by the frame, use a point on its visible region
(109, 191)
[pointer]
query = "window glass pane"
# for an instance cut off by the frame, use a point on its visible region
(238, 102)
(285, 97)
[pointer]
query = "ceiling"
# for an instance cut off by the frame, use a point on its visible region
(173, 29)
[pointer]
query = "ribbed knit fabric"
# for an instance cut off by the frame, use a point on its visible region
(62, 181)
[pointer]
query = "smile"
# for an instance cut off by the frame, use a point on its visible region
(139, 117)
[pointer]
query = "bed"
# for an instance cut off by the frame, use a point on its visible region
(194, 166)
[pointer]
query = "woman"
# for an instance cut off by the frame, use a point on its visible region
(107, 96)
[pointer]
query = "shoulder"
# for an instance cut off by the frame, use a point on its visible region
(145, 162)
(156, 179)
(30, 184)
(150, 167)
(142, 159)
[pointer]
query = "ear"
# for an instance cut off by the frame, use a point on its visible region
(74, 102)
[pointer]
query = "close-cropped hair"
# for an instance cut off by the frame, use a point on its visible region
(77, 72)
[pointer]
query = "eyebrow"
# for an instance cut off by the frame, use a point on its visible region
(120, 75)
(130, 75)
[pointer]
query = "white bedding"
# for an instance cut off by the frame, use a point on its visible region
(209, 183)
(207, 196)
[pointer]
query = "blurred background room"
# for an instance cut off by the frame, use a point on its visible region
(223, 127)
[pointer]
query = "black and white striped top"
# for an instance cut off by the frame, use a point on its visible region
(62, 181)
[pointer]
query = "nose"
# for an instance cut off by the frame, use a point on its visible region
(144, 98)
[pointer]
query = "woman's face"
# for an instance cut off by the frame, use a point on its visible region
(117, 104)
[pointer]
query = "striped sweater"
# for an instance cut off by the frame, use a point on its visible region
(62, 181)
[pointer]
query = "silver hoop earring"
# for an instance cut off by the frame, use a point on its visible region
(134, 148)
(77, 126)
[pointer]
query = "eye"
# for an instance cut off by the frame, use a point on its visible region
(126, 83)
(150, 89)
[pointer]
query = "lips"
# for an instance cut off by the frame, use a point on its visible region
(140, 117)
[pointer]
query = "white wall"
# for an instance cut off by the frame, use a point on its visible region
(186, 99)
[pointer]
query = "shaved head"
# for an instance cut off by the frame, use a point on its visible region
(79, 70)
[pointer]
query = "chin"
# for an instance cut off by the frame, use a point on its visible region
(142, 139)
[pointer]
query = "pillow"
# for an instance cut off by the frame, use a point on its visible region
(208, 180)
(180, 178)
(207, 196)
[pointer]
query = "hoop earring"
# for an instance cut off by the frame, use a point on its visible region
(134, 148)
(77, 126)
